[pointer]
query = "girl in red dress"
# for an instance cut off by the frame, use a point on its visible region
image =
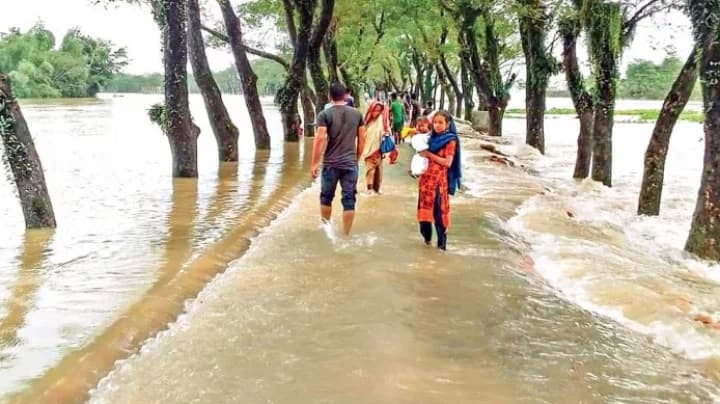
(440, 180)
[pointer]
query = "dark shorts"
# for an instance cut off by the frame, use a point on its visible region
(397, 126)
(348, 183)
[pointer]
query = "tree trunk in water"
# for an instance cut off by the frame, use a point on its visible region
(496, 112)
(24, 161)
(226, 133)
(604, 48)
(570, 30)
(583, 158)
(535, 107)
(308, 112)
(248, 78)
(288, 95)
(314, 63)
(538, 70)
(704, 237)
(656, 153)
(183, 142)
(602, 139)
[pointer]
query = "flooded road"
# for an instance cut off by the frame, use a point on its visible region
(529, 304)
(128, 233)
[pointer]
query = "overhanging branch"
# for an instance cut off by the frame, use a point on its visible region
(257, 52)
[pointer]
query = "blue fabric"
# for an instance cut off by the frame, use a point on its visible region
(437, 142)
(348, 183)
(387, 144)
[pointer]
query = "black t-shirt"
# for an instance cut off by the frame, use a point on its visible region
(342, 123)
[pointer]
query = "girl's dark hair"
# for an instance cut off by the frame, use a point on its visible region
(422, 119)
(444, 114)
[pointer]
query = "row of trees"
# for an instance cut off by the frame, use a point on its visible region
(462, 52)
(79, 66)
(269, 80)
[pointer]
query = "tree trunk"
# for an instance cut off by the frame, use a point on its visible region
(656, 153)
(183, 142)
(226, 133)
(248, 78)
(704, 237)
(570, 30)
(295, 78)
(24, 161)
(602, 137)
(535, 107)
(604, 49)
(308, 112)
(538, 70)
(583, 159)
(331, 53)
(452, 79)
(446, 90)
(496, 112)
(314, 63)
(467, 92)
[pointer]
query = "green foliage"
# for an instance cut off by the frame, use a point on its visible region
(158, 115)
(641, 115)
(647, 80)
(269, 79)
(80, 67)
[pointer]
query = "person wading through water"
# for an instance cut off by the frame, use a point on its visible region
(376, 125)
(440, 180)
(341, 129)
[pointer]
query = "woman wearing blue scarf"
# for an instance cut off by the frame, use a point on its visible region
(440, 180)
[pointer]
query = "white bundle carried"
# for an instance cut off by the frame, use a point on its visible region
(419, 164)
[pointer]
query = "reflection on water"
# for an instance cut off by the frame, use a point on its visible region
(129, 231)
(22, 291)
(179, 278)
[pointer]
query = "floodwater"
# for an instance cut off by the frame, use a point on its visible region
(551, 290)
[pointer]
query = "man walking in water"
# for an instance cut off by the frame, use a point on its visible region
(341, 129)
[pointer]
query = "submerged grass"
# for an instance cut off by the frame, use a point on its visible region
(642, 115)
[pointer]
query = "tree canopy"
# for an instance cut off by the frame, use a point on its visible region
(78, 66)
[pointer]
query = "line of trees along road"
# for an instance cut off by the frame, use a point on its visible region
(464, 54)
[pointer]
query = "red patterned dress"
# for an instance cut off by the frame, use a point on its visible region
(435, 179)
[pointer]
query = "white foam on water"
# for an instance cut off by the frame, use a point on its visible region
(585, 220)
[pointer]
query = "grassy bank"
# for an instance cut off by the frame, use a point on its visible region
(641, 115)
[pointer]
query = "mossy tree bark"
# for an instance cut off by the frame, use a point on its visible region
(604, 26)
(704, 237)
(248, 78)
(226, 133)
(656, 153)
(570, 28)
(179, 127)
(288, 95)
(317, 72)
(539, 67)
(24, 162)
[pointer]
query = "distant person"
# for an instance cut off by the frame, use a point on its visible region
(415, 109)
(440, 180)
(341, 129)
(406, 105)
(398, 116)
(349, 100)
(376, 125)
(429, 106)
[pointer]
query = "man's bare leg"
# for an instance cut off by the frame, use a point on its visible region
(348, 217)
(325, 212)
